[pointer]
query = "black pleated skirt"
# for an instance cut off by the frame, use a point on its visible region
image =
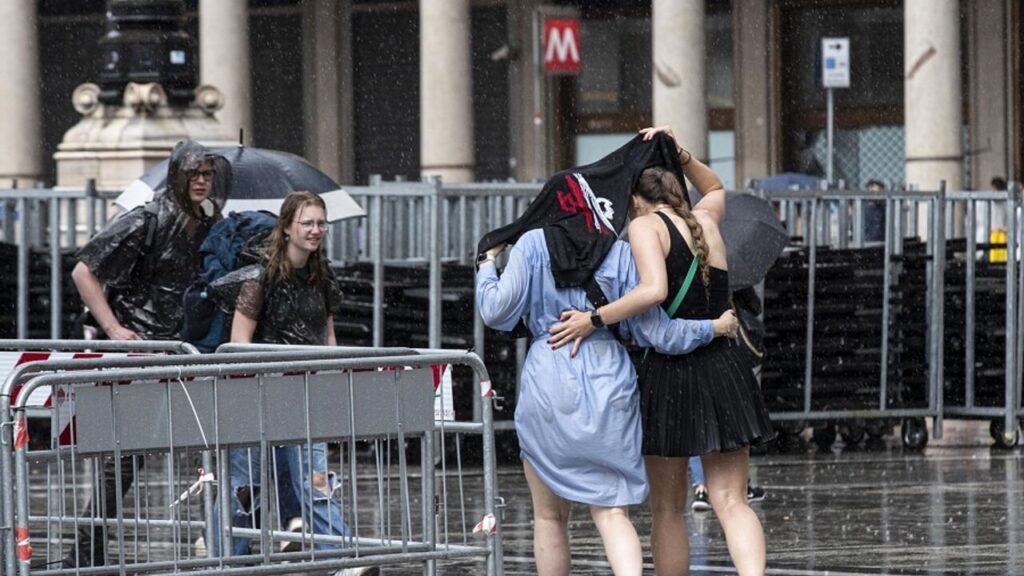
(701, 402)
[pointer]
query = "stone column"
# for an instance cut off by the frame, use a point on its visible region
(224, 60)
(322, 94)
(20, 123)
(680, 97)
(932, 93)
(528, 109)
(752, 89)
(989, 82)
(346, 98)
(446, 96)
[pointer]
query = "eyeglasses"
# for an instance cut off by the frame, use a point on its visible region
(308, 225)
(203, 174)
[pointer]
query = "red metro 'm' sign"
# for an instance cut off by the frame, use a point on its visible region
(562, 46)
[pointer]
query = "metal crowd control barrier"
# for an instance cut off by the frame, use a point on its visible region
(418, 223)
(482, 425)
(1004, 411)
(20, 359)
(429, 223)
(54, 219)
(831, 222)
(426, 223)
(180, 409)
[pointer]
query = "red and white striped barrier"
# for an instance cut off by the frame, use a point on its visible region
(58, 398)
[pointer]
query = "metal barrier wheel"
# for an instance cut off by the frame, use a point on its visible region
(853, 432)
(1003, 438)
(824, 435)
(876, 429)
(787, 440)
(914, 433)
(790, 427)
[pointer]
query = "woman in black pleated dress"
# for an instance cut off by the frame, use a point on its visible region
(706, 403)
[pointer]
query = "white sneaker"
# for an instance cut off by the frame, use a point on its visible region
(700, 499)
(294, 525)
(200, 547)
(359, 571)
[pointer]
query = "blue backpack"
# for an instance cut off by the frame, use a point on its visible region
(232, 243)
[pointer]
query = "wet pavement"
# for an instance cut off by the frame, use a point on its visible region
(957, 507)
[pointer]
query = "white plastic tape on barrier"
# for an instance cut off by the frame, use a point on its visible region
(444, 406)
(488, 525)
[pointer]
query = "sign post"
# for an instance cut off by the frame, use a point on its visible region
(562, 46)
(835, 73)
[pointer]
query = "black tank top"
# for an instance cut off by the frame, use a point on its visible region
(697, 304)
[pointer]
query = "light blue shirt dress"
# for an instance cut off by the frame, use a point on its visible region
(578, 419)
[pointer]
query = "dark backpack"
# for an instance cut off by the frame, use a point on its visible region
(232, 243)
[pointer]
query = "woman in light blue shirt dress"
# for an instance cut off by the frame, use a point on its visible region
(578, 419)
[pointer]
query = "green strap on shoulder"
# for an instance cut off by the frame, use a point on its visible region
(684, 288)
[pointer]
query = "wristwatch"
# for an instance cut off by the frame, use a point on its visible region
(595, 320)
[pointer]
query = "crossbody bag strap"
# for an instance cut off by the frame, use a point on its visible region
(684, 288)
(679, 296)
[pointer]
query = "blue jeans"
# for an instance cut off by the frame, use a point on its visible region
(696, 471)
(294, 488)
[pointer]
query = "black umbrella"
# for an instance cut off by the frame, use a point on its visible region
(256, 174)
(753, 238)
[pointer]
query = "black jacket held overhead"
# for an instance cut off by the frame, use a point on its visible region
(582, 210)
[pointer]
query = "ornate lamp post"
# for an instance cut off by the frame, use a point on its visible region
(146, 98)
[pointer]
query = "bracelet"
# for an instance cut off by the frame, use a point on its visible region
(484, 261)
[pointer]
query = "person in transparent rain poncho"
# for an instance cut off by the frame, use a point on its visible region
(578, 419)
(133, 285)
(289, 299)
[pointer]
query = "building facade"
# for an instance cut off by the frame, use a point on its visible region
(407, 88)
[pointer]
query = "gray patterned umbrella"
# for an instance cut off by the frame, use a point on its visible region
(753, 237)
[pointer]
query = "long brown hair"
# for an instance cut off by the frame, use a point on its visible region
(279, 268)
(659, 186)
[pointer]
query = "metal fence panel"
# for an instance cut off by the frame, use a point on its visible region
(935, 335)
(352, 401)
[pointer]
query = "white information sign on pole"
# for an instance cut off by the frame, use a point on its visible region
(835, 62)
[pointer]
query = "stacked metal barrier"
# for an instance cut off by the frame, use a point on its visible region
(407, 272)
(890, 331)
(174, 420)
(411, 228)
(50, 221)
(416, 228)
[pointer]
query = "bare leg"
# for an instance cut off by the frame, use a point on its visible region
(621, 544)
(550, 527)
(726, 476)
(670, 543)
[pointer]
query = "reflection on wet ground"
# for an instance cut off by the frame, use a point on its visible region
(955, 508)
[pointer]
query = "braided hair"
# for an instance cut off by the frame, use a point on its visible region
(660, 186)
